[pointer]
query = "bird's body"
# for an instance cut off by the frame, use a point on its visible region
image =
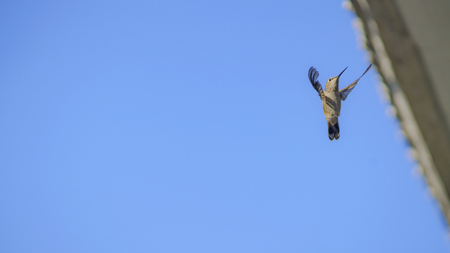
(331, 104)
(331, 99)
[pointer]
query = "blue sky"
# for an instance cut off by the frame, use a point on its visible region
(191, 126)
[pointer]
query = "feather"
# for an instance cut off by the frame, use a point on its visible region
(345, 91)
(313, 74)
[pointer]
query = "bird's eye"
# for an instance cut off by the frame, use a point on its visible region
(329, 80)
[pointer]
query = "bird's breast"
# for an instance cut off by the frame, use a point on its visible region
(331, 104)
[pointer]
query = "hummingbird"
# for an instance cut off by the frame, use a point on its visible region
(331, 98)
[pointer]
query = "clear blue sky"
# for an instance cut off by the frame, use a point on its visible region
(191, 126)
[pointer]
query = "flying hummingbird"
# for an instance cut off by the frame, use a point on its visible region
(331, 98)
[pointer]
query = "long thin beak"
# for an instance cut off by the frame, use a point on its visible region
(342, 72)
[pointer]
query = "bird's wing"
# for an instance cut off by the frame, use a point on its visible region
(345, 91)
(313, 74)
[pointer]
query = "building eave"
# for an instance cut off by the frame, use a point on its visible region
(400, 64)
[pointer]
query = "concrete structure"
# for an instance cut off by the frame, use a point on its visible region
(409, 42)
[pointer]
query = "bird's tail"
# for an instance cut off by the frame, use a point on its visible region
(333, 129)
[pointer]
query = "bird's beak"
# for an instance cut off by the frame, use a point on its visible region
(342, 72)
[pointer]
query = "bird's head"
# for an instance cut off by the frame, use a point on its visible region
(333, 82)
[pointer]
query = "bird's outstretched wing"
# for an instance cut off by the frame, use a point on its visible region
(345, 91)
(313, 74)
